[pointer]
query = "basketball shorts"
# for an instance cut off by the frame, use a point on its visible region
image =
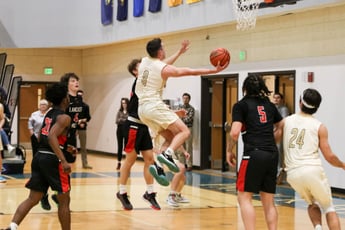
(156, 115)
(258, 171)
(46, 171)
(311, 183)
(137, 137)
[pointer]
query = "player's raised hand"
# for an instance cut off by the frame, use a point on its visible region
(184, 46)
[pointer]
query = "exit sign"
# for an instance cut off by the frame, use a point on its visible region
(48, 70)
(242, 55)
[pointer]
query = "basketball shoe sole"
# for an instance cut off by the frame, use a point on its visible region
(161, 179)
(168, 161)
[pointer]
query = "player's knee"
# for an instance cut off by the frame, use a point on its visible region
(186, 133)
(182, 168)
(329, 209)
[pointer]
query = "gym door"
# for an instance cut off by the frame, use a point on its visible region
(30, 95)
(216, 107)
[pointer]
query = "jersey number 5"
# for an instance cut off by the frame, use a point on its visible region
(262, 114)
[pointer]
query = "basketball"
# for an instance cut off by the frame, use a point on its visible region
(221, 55)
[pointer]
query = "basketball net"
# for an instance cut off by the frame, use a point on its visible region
(246, 12)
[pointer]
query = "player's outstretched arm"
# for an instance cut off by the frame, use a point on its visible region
(173, 71)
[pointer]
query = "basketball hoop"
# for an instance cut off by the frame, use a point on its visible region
(246, 12)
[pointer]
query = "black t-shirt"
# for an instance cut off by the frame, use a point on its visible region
(48, 122)
(133, 104)
(258, 116)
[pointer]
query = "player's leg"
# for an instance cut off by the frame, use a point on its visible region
(126, 167)
(120, 139)
(160, 119)
(24, 208)
(180, 134)
(83, 151)
(314, 213)
(332, 220)
(181, 184)
(247, 209)
(45, 202)
(150, 194)
(271, 214)
(320, 197)
(189, 148)
(64, 211)
(175, 186)
(175, 135)
(124, 175)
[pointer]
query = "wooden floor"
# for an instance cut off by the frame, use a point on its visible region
(94, 206)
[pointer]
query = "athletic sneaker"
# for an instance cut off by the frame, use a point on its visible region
(55, 199)
(158, 173)
(172, 201)
(2, 179)
(151, 198)
(168, 161)
(124, 200)
(45, 202)
(181, 199)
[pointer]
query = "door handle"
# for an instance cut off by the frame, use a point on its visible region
(227, 127)
(217, 126)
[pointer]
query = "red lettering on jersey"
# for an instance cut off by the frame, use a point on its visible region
(262, 114)
(46, 128)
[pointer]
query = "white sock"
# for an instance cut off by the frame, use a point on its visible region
(149, 188)
(169, 151)
(318, 227)
(13, 226)
(123, 189)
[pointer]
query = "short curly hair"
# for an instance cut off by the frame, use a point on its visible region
(65, 78)
(56, 93)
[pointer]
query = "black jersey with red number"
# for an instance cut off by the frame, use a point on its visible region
(133, 104)
(258, 116)
(48, 122)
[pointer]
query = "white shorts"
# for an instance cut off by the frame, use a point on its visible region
(311, 183)
(156, 115)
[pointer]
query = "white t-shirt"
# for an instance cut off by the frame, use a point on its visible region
(150, 84)
(301, 141)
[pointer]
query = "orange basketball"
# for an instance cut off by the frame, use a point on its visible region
(221, 55)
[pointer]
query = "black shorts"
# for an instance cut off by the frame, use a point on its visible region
(46, 171)
(258, 172)
(137, 136)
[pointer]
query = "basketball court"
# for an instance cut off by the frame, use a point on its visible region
(212, 196)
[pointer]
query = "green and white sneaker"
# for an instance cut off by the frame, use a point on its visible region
(158, 173)
(168, 161)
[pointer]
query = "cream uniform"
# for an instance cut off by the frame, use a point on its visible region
(301, 142)
(149, 89)
(302, 159)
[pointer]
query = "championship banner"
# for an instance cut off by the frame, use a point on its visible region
(192, 1)
(172, 3)
(138, 8)
(106, 12)
(155, 6)
(122, 10)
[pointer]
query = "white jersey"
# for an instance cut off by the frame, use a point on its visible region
(301, 141)
(150, 83)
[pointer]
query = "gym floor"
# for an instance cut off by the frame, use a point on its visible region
(212, 195)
